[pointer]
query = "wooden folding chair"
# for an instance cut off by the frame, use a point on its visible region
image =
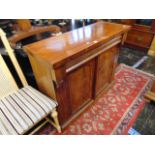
(22, 109)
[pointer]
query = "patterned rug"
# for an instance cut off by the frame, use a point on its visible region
(115, 111)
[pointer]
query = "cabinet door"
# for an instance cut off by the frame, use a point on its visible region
(106, 63)
(80, 85)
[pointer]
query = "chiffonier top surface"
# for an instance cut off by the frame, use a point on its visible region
(56, 50)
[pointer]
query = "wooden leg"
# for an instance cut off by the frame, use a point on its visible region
(150, 96)
(54, 115)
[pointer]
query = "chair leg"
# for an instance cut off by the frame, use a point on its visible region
(54, 115)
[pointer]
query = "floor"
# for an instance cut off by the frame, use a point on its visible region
(148, 65)
(145, 123)
(130, 56)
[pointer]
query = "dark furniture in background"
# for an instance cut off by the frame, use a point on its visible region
(141, 34)
(7, 26)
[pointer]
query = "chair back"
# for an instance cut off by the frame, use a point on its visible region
(7, 82)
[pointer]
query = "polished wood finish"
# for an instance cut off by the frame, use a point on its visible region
(58, 50)
(81, 80)
(153, 87)
(34, 30)
(24, 24)
(104, 76)
(140, 36)
(75, 67)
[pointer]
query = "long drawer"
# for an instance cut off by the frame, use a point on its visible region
(77, 62)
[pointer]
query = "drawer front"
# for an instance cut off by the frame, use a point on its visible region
(77, 62)
(142, 39)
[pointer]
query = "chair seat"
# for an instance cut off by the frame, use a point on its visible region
(22, 109)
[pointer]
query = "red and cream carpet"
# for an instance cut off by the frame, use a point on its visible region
(115, 111)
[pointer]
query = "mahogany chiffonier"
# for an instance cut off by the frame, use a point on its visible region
(75, 67)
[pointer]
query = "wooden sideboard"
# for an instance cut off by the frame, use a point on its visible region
(75, 67)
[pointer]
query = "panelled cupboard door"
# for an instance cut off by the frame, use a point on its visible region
(106, 63)
(80, 85)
